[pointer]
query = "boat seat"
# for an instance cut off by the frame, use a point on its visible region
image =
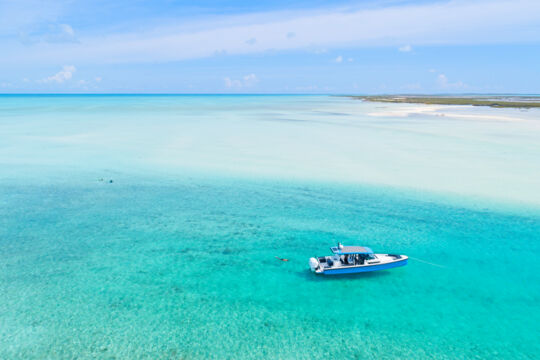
(330, 262)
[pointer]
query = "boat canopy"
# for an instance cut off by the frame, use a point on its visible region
(346, 250)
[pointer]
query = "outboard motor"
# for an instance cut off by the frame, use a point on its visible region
(313, 264)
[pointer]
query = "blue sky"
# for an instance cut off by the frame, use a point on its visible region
(217, 46)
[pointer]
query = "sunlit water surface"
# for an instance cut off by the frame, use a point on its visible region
(175, 258)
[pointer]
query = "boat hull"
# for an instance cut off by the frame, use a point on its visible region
(365, 268)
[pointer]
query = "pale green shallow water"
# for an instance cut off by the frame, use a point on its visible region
(179, 263)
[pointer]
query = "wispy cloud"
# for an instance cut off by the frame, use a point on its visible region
(339, 59)
(307, 88)
(405, 48)
(25, 14)
(412, 87)
(51, 33)
(67, 30)
(251, 41)
(452, 22)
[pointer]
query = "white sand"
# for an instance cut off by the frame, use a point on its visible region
(448, 111)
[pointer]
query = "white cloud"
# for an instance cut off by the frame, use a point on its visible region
(350, 59)
(65, 74)
(339, 59)
(232, 83)
(250, 80)
(439, 23)
(442, 80)
(67, 29)
(246, 81)
(405, 48)
(98, 79)
(251, 41)
(88, 84)
(432, 70)
(443, 83)
(307, 88)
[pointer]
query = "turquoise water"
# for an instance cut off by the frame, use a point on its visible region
(176, 257)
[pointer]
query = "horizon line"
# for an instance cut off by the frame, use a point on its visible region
(270, 94)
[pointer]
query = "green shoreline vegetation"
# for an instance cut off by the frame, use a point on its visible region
(492, 101)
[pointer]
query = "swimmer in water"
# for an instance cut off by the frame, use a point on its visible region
(282, 259)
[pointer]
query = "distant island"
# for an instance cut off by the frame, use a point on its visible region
(492, 101)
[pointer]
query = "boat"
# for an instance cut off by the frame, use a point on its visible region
(354, 259)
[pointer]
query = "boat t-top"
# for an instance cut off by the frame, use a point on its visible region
(354, 259)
